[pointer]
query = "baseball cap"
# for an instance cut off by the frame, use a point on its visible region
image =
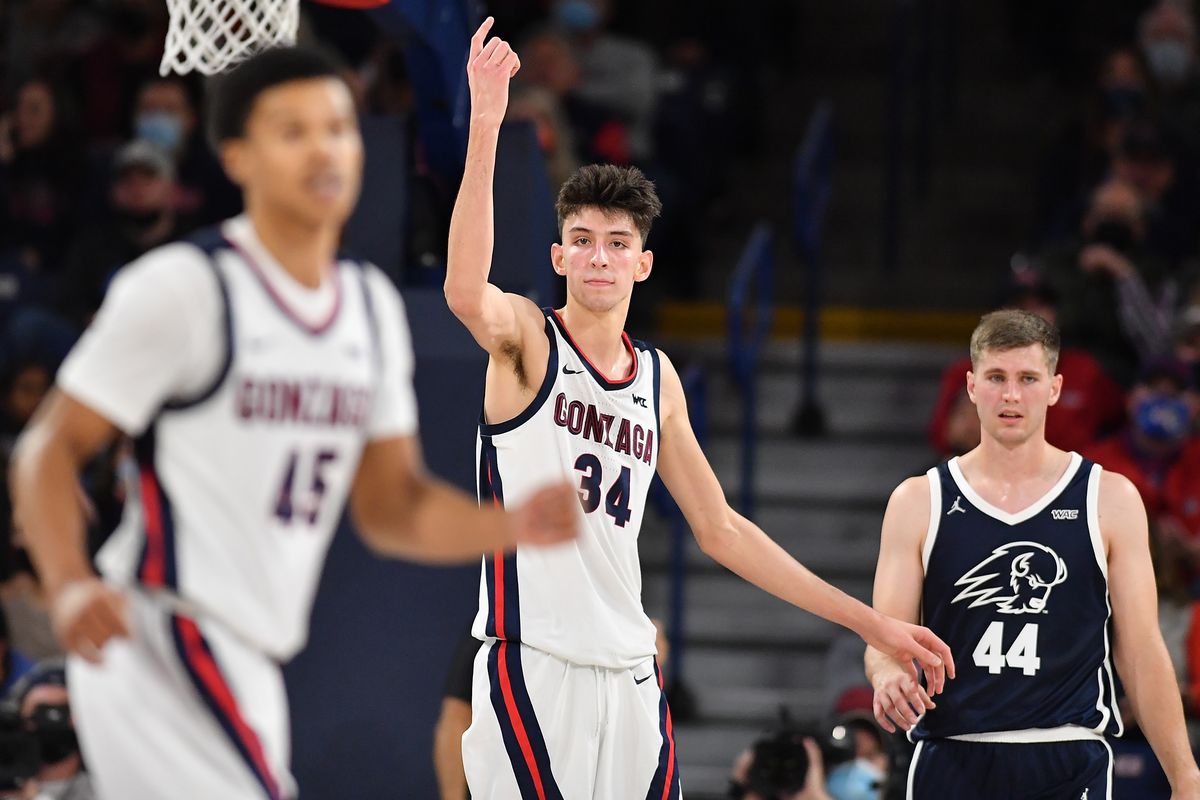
(144, 154)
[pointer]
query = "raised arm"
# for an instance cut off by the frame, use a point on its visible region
(740, 545)
(59, 441)
(501, 323)
(1142, 659)
(899, 696)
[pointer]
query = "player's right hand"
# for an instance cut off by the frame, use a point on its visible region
(906, 643)
(900, 699)
(549, 516)
(86, 613)
(490, 67)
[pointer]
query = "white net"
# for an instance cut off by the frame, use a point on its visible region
(209, 36)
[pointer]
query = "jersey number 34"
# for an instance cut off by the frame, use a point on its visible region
(1022, 654)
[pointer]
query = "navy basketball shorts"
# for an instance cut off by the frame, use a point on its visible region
(1074, 770)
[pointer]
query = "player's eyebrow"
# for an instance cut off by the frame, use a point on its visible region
(581, 229)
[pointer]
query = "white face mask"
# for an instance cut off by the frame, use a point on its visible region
(163, 128)
(859, 779)
(1169, 60)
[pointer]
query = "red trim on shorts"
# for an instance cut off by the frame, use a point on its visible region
(670, 743)
(208, 674)
(153, 568)
(510, 704)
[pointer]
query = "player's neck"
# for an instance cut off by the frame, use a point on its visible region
(598, 335)
(1031, 459)
(305, 251)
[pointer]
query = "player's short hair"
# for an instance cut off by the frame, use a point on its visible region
(611, 189)
(1011, 329)
(235, 92)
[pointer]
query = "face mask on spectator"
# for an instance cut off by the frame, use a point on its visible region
(854, 780)
(577, 16)
(162, 128)
(1115, 233)
(1169, 60)
(1162, 418)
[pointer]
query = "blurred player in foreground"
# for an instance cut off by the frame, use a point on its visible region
(266, 382)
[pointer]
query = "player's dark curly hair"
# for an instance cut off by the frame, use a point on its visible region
(611, 189)
(235, 92)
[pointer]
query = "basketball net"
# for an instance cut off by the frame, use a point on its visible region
(209, 36)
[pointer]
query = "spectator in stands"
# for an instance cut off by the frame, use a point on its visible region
(14, 664)
(43, 700)
(1167, 38)
(617, 75)
(753, 780)
(142, 216)
(555, 137)
(1158, 430)
(1081, 154)
(1144, 160)
(1091, 404)
(1109, 275)
(41, 176)
(165, 114)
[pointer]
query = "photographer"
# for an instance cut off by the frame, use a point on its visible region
(786, 766)
(41, 698)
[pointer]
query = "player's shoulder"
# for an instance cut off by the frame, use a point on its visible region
(182, 267)
(1118, 493)
(911, 496)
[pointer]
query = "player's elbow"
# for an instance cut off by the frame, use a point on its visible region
(464, 300)
(716, 538)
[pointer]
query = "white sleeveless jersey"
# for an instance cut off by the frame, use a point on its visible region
(580, 601)
(239, 490)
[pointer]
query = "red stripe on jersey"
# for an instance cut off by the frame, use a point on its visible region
(153, 571)
(209, 673)
(600, 372)
(510, 703)
(670, 745)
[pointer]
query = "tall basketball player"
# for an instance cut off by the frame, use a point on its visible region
(1034, 562)
(266, 381)
(567, 698)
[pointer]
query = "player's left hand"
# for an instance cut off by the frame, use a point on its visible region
(906, 642)
(549, 516)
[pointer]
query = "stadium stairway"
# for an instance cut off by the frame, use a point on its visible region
(747, 653)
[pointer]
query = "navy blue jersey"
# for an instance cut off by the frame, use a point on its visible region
(1022, 601)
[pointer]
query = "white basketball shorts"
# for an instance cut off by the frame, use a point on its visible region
(183, 709)
(546, 729)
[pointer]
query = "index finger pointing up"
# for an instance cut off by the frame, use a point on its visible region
(480, 35)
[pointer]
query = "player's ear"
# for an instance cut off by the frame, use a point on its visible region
(557, 259)
(645, 264)
(971, 385)
(1056, 383)
(233, 159)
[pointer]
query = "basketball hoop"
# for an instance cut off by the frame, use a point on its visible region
(209, 36)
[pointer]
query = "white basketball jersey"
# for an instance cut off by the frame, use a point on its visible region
(240, 489)
(580, 601)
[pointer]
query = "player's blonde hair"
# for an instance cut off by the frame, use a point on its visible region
(1011, 329)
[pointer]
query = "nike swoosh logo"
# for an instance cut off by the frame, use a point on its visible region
(568, 371)
(643, 680)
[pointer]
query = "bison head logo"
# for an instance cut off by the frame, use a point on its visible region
(1028, 569)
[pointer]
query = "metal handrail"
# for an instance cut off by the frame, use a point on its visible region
(812, 187)
(750, 313)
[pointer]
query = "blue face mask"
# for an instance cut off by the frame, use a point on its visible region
(1169, 60)
(1162, 418)
(162, 128)
(855, 780)
(577, 16)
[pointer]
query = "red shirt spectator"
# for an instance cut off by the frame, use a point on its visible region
(1181, 494)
